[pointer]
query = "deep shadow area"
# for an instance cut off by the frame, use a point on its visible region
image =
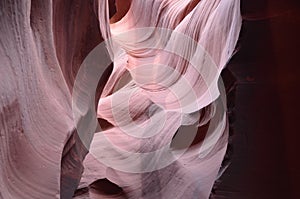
(265, 143)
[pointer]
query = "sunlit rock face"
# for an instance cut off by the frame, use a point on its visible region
(161, 93)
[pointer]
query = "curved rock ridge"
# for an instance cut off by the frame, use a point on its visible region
(41, 49)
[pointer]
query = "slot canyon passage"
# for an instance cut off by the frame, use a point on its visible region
(140, 98)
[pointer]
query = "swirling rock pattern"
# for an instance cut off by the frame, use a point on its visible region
(138, 50)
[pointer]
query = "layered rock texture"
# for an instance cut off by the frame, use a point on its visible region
(133, 108)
